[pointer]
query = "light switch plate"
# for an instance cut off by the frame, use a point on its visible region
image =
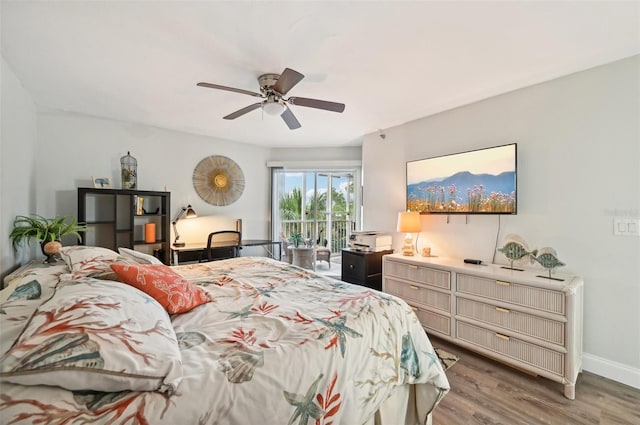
(625, 226)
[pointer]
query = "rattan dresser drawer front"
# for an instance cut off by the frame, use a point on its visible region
(433, 321)
(527, 324)
(524, 295)
(419, 294)
(439, 278)
(516, 349)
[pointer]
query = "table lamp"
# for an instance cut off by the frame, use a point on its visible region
(186, 212)
(408, 223)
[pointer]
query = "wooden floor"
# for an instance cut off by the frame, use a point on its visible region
(484, 391)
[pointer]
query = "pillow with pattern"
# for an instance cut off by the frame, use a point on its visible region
(175, 293)
(99, 336)
(91, 261)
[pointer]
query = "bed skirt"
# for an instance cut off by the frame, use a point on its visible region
(403, 407)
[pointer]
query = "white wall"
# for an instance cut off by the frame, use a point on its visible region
(578, 166)
(346, 153)
(56, 152)
(17, 162)
(72, 148)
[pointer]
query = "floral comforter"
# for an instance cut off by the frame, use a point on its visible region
(277, 345)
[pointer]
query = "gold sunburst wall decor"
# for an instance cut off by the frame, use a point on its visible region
(218, 180)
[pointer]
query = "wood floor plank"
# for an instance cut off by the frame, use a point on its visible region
(486, 392)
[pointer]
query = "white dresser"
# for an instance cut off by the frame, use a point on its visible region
(530, 322)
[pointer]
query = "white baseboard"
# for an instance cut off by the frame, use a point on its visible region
(612, 370)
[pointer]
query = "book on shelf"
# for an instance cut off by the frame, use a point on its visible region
(139, 205)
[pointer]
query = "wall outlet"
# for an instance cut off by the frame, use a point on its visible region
(623, 226)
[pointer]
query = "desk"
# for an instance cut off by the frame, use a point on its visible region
(195, 251)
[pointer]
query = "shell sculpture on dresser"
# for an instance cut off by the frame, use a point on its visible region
(548, 259)
(515, 248)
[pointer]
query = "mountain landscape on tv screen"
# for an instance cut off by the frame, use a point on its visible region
(464, 192)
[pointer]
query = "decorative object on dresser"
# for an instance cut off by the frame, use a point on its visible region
(548, 259)
(115, 219)
(363, 268)
(516, 249)
(48, 233)
(186, 212)
(409, 222)
(218, 180)
(513, 316)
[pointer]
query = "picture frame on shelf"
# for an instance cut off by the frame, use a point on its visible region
(101, 182)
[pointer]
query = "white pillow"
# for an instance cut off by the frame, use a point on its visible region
(89, 261)
(138, 257)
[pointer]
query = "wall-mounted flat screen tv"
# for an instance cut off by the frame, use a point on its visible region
(475, 182)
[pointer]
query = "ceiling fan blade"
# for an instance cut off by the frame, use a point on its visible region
(233, 89)
(315, 103)
(290, 119)
(287, 80)
(243, 111)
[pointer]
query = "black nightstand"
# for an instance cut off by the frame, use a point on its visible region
(363, 267)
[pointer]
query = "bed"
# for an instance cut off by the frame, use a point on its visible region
(248, 340)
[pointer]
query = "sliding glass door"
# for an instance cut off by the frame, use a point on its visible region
(320, 205)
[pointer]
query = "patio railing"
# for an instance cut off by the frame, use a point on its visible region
(336, 239)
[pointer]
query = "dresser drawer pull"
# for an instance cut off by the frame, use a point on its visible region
(411, 266)
(502, 310)
(413, 308)
(506, 338)
(503, 283)
(414, 287)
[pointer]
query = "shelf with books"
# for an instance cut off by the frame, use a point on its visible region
(118, 218)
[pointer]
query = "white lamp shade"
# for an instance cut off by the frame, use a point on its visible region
(409, 222)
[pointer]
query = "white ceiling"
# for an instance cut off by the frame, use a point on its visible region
(389, 62)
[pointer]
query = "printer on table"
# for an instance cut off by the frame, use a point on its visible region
(370, 241)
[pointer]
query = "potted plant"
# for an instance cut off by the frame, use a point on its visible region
(295, 239)
(48, 232)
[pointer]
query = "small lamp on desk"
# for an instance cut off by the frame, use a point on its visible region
(186, 212)
(409, 222)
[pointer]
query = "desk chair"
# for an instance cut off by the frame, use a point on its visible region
(221, 245)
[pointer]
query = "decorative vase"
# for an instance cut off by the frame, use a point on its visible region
(50, 249)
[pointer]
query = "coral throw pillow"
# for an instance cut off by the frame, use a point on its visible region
(172, 291)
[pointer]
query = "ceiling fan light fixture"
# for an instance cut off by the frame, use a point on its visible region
(274, 108)
(273, 88)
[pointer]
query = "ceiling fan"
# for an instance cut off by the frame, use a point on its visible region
(273, 88)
